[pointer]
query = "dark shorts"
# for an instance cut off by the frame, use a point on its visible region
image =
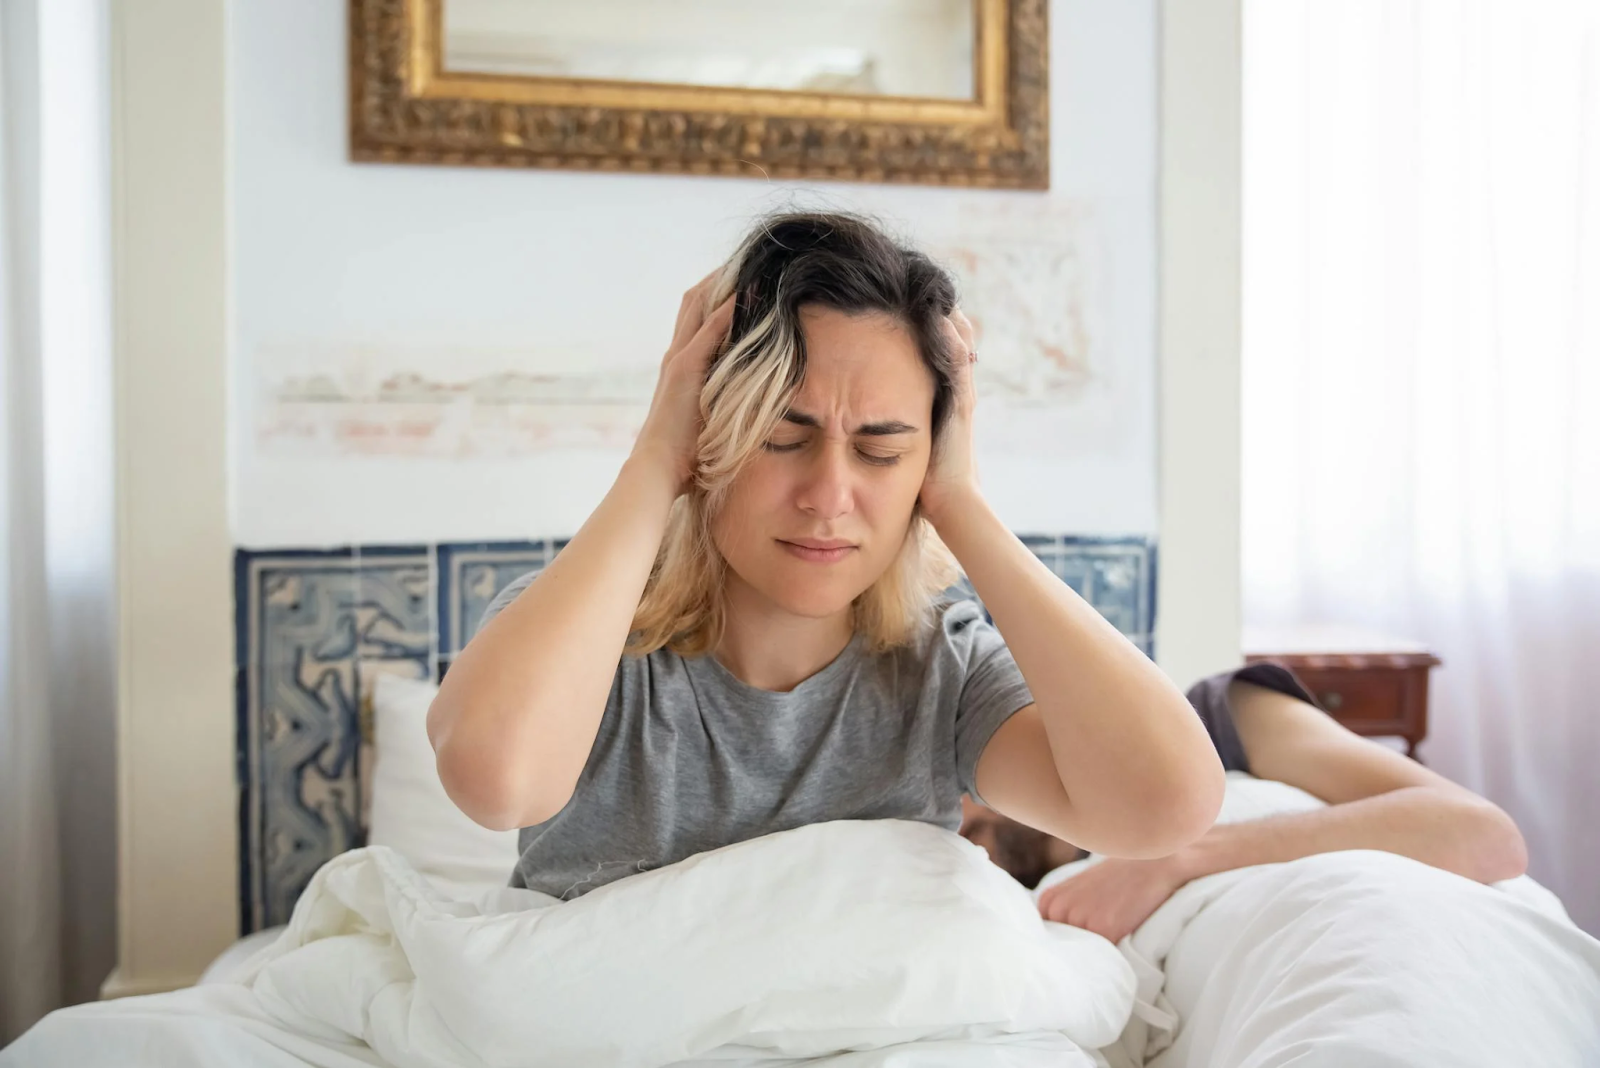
(1209, 697)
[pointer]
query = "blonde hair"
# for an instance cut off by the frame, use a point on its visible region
(788, 262)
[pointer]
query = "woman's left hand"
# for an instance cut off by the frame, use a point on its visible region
(953, 471)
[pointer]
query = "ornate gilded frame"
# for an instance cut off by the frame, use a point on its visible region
(404, 108)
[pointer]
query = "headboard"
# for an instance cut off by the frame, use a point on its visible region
(314, 626)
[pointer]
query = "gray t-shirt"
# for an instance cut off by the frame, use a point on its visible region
(689, 758)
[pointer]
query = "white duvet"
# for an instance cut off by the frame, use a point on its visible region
(882, 943)
(1359, 960)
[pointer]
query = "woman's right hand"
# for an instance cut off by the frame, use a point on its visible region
(671, 432)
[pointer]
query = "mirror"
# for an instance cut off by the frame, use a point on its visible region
(949, 92)
(905, 48)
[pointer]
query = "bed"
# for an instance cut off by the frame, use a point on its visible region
(377, 929)
(897, 945)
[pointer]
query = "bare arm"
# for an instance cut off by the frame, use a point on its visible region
(518, 710)
(517, 714)
(1110, 756)
(1377, 799)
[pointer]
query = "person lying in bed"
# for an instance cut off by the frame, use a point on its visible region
(1261, 720)
(746, 635)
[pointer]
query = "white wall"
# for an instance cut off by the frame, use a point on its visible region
(364, 270)
(1198, 590)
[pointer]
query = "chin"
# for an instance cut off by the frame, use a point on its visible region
(810, 595)
(813, 601)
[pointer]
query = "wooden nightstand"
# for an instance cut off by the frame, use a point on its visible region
(1374, 685)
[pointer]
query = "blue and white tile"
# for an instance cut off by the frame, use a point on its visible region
(306, 622)
(469, 577)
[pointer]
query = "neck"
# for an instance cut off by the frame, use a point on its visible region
(771, 649)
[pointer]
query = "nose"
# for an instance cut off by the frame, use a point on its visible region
(826, 491)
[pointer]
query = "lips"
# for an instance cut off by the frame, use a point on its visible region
(818, 551)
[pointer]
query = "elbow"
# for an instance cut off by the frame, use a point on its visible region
(482, 780)
(1190, 813)
(1203, 803)
(1185, 796)
(1497, 848)
(1177, 814)
(489, 794)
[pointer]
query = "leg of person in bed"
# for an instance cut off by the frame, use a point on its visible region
(1377, 799)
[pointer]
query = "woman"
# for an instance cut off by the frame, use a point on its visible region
(745, 637)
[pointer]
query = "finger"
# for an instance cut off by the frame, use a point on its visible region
(698, 291)
(963, 327)
(960, 342)
(964, 359)
(953, 336)
(692, 309)
(712, 332)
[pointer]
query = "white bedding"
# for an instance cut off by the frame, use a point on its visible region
(1359, 960)
(1366, 958)
(883, 944)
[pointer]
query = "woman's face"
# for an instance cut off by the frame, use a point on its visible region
(823, 509)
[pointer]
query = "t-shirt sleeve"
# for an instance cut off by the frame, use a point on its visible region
(992, 687)
(505, 597)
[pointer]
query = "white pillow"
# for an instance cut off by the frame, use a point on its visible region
(411, 813)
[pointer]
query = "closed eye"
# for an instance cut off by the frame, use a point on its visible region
(877, 459)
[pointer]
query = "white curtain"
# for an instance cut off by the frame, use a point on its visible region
(30, 915)
(1421, 373)
(57, 668)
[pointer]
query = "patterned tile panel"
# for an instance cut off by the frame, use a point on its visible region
(1116, 575)
(306, 621)
(314, 625)
(471, 575)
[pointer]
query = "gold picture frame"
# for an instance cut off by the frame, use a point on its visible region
(406, 108)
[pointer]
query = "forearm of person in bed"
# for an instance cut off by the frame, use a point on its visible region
(1110, 757)
(517, 713)
(1447, 829)
(1377, 798)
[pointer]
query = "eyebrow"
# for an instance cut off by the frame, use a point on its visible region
(885, 429)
